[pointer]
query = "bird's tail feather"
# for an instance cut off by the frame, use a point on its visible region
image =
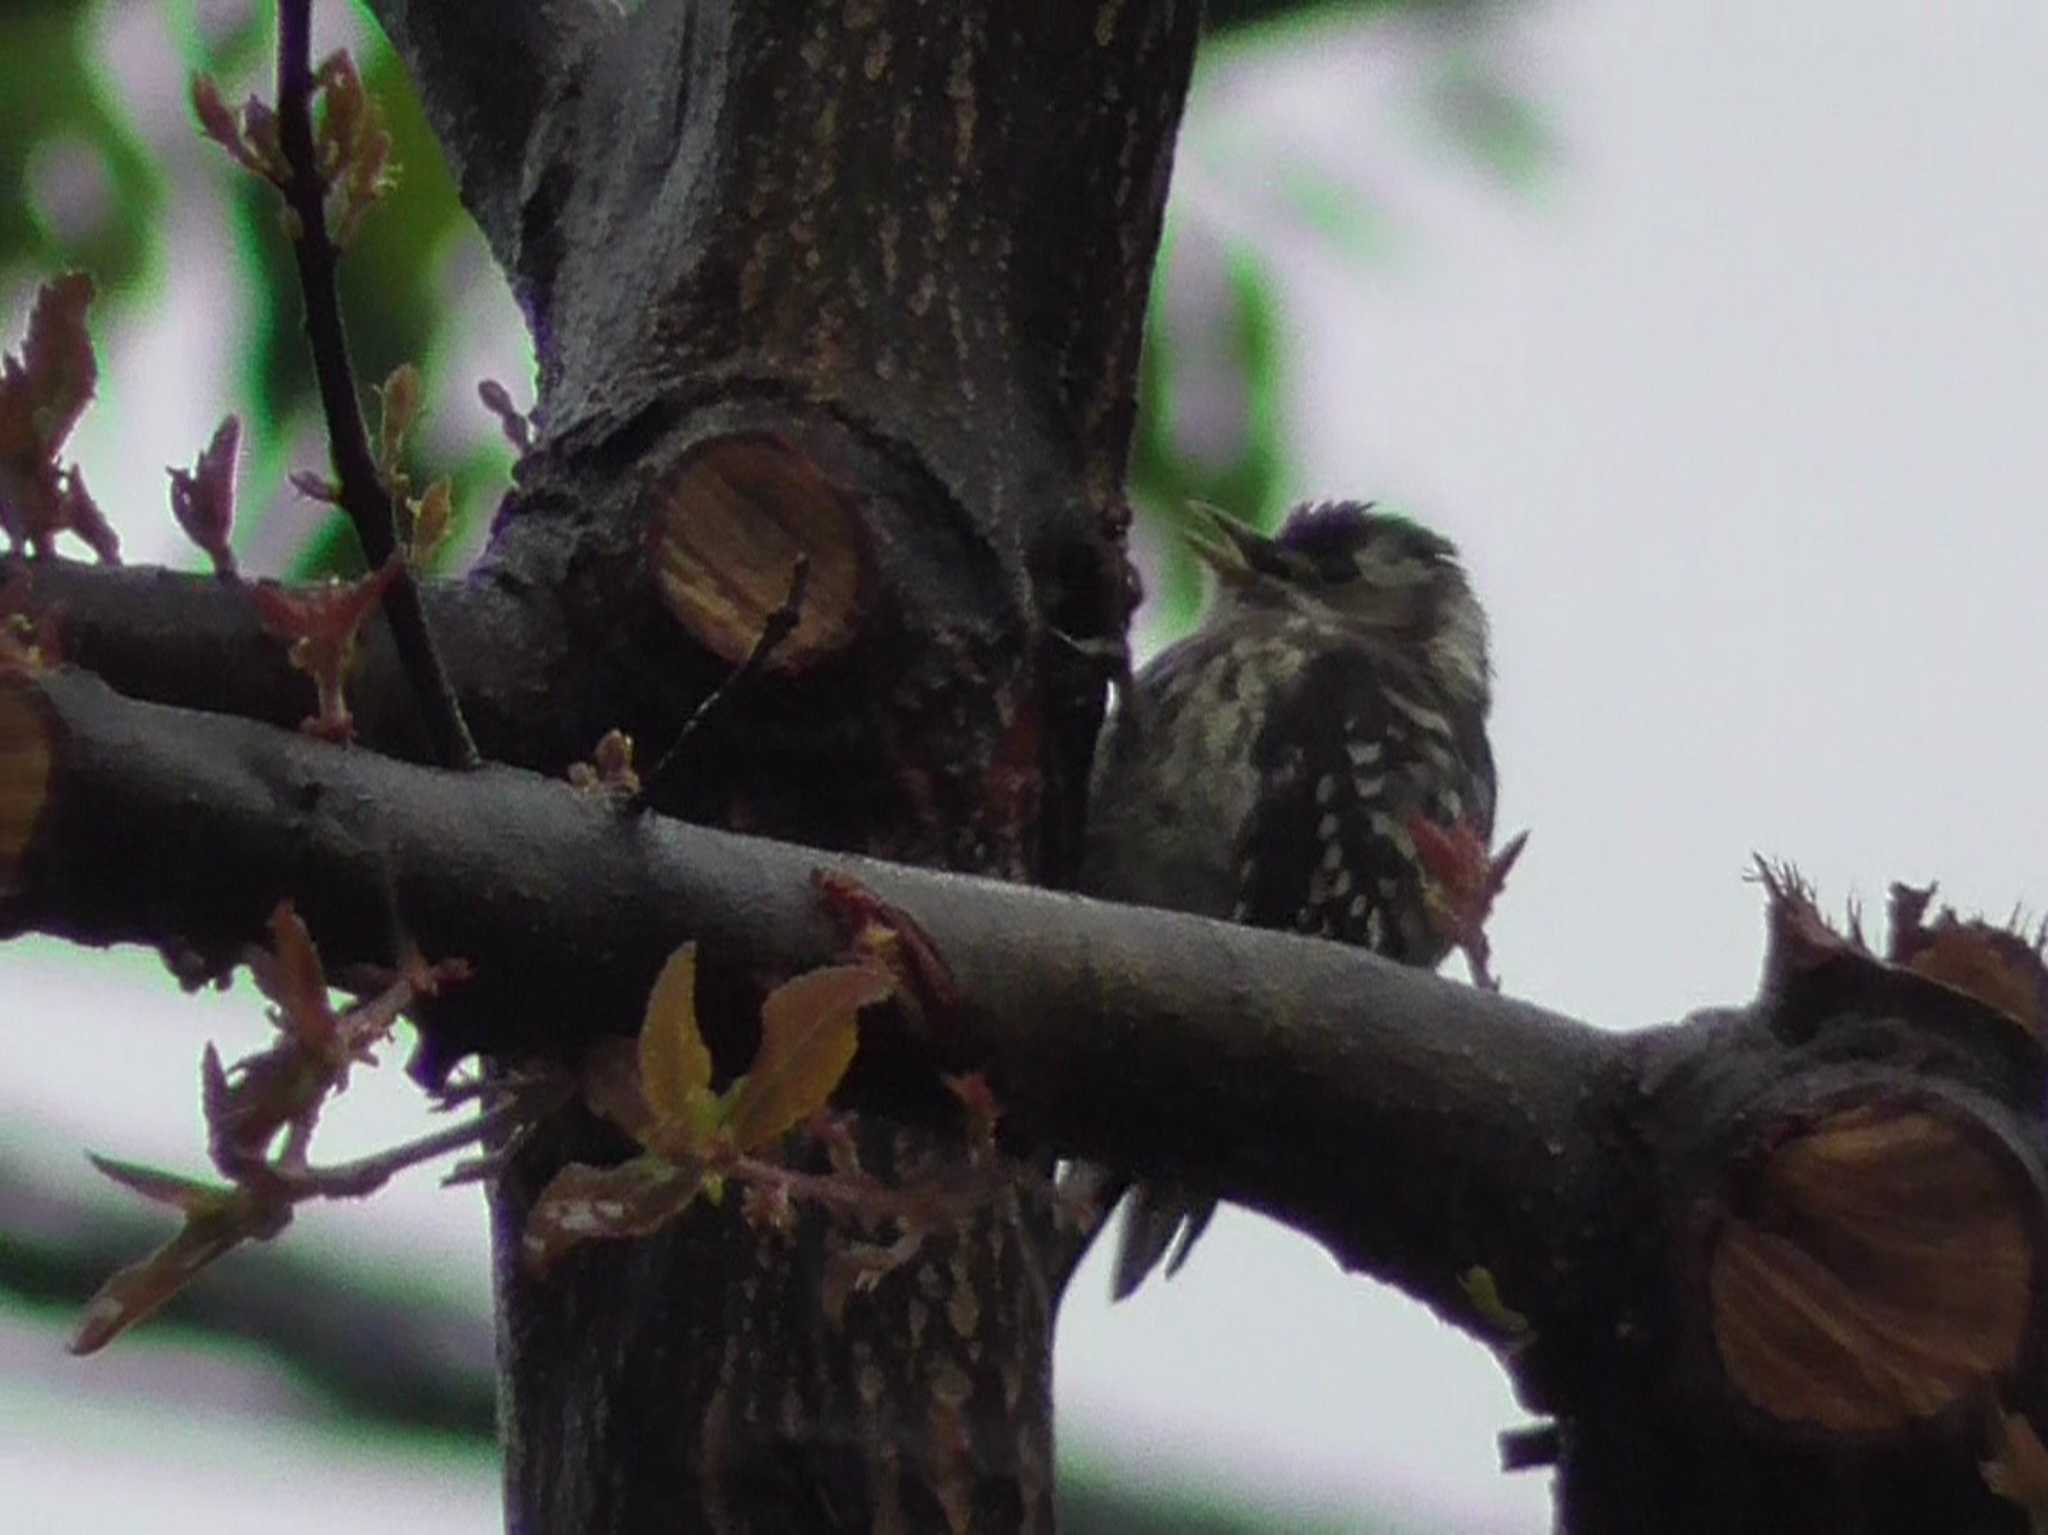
(1158, 1217)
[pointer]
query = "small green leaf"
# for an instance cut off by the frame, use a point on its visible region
(809, 1032)
(675, 1063)
(703, 1114)
(186, 1194)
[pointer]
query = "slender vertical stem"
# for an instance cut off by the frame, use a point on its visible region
(363, 495)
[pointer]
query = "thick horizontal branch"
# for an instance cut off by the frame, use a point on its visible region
(1415, 1126)
(198, 642)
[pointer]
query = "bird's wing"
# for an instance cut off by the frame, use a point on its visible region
(1350, 751)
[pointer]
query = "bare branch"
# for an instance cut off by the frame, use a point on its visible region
(779, 626)
(363, 495)
(171, 637)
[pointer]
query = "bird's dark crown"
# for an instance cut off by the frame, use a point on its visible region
(1381, 574)
(1343, 538)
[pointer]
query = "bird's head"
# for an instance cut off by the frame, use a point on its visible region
(1379, 573)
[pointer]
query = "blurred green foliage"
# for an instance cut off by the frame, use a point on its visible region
(1168, 470)
(1501, 129)
(58, 127)
(70, 146)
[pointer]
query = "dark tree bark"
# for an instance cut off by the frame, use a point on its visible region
(861, 251)
(844, 298)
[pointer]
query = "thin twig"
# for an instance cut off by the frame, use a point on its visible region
(365, 1175)
(932, 1203)
(363, 495)
(777, 627)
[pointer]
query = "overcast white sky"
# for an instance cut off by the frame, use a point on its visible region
(1734, 412)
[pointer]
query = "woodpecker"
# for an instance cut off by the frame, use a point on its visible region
(1276, 766)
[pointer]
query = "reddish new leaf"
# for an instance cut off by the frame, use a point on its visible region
(315, 487)
(887, 936)
(1463, 881)
(266, 143)
(203, 497)
(249, 1104)
(809, 1032)
(254, 152)
(978, 1099)
(285, 1084)
(586, 1204)
(296, 980)
(353, 148)
(44, 388)
(78, 513)
(322, 624)
(217, 1219)
(216, 119)
(609, 1075)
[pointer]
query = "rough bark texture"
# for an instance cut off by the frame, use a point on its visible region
(862, 281)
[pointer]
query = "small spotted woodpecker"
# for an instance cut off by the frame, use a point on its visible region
(1273, 767)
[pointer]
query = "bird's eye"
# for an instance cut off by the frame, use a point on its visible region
(1338, 569)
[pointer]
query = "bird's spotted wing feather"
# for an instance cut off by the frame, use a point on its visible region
(1350, 751)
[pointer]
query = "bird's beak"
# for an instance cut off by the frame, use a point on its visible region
(1237, 554)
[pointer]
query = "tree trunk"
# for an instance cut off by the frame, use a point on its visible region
(862, 282)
